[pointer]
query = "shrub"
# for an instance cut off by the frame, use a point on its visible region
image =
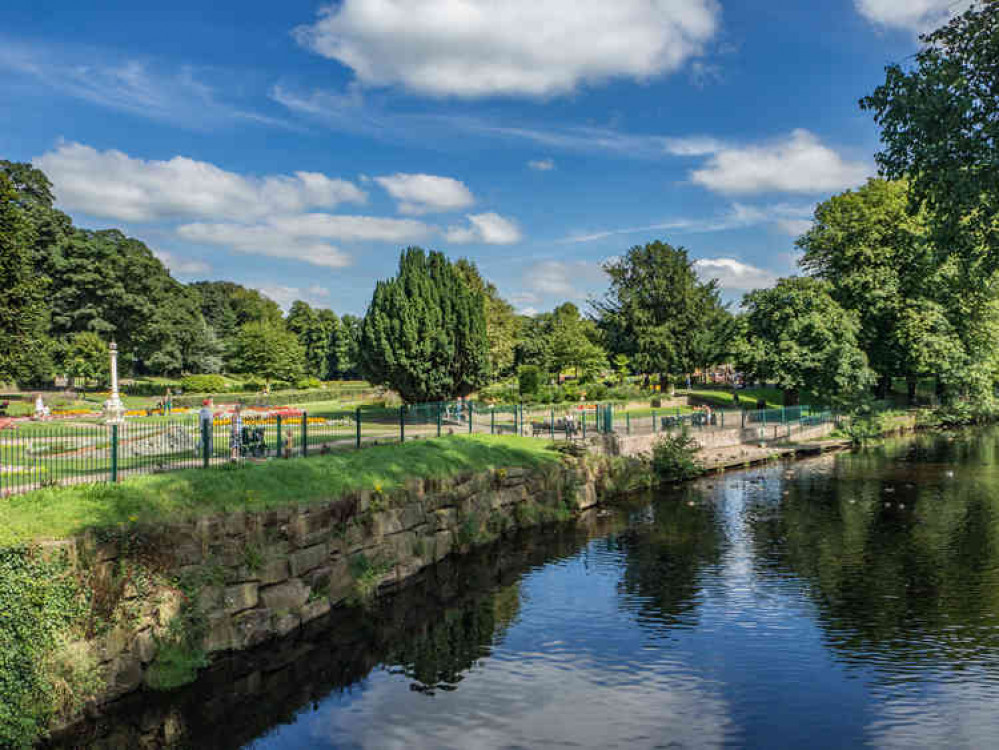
(674, 458)
(597, 392)
(204, 384)
(307, 383)
(253, 386)
(529, 380)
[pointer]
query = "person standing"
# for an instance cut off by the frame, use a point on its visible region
(167, 403)
(206, 421)
(236, 433)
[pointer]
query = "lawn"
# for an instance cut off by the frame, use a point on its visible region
(60, 512)
(747, 397)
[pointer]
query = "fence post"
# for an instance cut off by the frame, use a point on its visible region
(305, 434)
(402, 424)
(207, 426)
(470, 415)
(492, 420)
(280, 440)
(584, 424)
(627, 422)
(439, 419)
(114, 454)
(655, 427)
(357, 418)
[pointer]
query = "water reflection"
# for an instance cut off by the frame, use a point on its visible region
(846, 601)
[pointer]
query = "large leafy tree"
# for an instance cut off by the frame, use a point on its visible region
(227, 307)
(880, 262)
(939, 121)
(658, 311)
(574, 342)
(22, 307)
(345, 347)
(939, 124)
(268, 350)
(798, 336)
(314, 332)
(502, 322)
(425, 331)
(86, 356)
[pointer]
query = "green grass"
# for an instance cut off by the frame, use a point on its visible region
(60, 512)
(747, 397)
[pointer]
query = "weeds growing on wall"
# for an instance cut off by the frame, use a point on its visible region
(44, 670)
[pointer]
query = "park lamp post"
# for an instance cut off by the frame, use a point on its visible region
(114, 409)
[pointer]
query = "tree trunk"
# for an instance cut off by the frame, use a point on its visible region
(910, 387)
(792, 397)
(883, 387)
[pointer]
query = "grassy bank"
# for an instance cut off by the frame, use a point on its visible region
(61, 512)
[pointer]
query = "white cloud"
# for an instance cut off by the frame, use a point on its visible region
(424, 193)
(305, 237)
(799, 164)
(516, 47)
(265, 240)
(183, 266)
(542, 165)
(915, 15)
(285, 295)
(111, 184)
(564, 280)
(734, 275)
(489, 229)
(794, 227)
(786, 217)
(138, 87)
(694, 145)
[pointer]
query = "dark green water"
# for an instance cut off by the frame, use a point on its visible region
(844, 601)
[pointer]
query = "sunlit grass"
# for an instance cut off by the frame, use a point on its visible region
(59, 512)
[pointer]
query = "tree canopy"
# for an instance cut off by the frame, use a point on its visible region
(425, 331)
(658, 312)
(799, 337)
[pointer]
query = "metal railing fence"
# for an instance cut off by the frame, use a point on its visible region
(72, 451)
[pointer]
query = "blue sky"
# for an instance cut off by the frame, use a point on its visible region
(296, 147)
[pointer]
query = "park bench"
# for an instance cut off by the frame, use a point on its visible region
(566, 426)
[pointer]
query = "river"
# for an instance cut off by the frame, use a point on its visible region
(844, 601)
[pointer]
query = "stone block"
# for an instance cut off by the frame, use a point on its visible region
(286, 623)
(286, 596)
(220, 633)
(319, 579)
(235, 524)
(446, 518)
(386, 523)
(211, 598)
(145, 646)
(168, 606)
(274, 571)
(241, 597)
(252, 627)
(124, 675)
(412, 514)
(314, 610)
(308, 559)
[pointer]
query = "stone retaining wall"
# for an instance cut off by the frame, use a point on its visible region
(634, 445)
(226, 584)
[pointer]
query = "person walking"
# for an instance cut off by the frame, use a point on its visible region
(167, 403)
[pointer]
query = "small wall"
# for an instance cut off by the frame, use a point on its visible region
(227, 584)
(634, 445)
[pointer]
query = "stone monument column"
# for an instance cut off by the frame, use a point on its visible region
(114, 409)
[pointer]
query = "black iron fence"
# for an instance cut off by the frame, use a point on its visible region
(69, 451)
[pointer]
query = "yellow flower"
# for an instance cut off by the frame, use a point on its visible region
(378, 489)
(133, 519)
